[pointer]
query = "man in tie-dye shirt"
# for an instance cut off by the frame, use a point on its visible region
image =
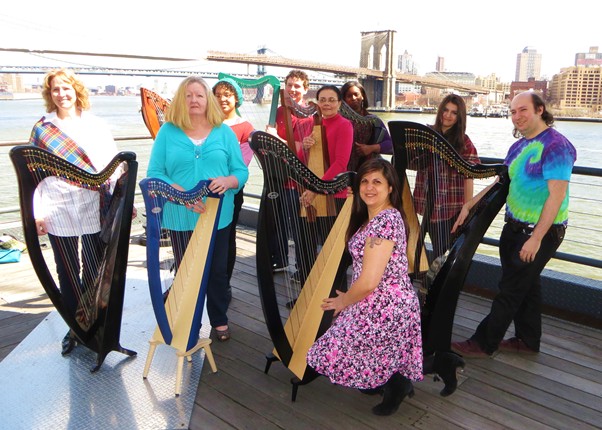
(539, 165)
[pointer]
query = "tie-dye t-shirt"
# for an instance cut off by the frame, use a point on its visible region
(531, 162)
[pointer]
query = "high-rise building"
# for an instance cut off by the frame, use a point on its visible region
(591, 58)
(528, 65)
(440, 65)
(405, 64)
(577, 87)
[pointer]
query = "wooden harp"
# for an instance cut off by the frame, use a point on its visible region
(92, 305)
(306, 321)
(309, 123)
(178, 305)
(153, 110)
(417, 146)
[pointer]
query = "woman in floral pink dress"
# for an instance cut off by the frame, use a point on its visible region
(375, 343)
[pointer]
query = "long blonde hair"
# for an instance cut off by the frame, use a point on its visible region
(82, 97)
(177, 113)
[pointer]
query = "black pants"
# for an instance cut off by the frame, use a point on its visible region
(519, 296)
(219, 293)
(238, 201)
(76, 274)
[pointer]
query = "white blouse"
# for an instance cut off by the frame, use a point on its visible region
(69, 210)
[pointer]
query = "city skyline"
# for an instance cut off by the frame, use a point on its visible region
(468, 38)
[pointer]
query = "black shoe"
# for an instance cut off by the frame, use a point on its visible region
(396, 389)
(68, 343)
(445, 365)
(291, 304)
(279, 267)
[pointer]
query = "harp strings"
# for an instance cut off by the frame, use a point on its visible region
(76, 240)
(309, 238)
(153, 110)
(180, 265)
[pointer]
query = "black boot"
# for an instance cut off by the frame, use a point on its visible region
(396, 389)
(372, 391)
(446, 365)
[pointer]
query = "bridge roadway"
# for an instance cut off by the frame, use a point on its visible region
(278, 61)
(257, 59)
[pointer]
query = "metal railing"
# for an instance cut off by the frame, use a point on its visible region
(582, 245)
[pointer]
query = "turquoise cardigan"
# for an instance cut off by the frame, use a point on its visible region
(177, 160)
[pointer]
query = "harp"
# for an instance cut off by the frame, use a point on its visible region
(309, 123)
(411, 142)
(306, 320)
(363, 132)
(92, 304)
(261, 99)
(153, 110)
(260, 94)
(179, 310)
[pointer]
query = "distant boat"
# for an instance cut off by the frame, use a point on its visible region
(409, 109)
(477, 110)
(7, 95)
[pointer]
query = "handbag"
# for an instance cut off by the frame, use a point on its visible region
(10, 255)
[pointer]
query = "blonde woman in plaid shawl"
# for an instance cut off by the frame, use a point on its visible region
(67, 213)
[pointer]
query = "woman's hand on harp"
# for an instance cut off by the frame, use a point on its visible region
(308, 142)
(334, 303)
(307, 198)
(41, 227)
(462, 216)
(221, 184)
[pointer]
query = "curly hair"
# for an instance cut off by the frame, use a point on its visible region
(82, 96)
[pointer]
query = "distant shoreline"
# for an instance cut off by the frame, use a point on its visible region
(556, 118)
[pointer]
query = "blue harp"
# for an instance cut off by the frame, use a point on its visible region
(178, 303)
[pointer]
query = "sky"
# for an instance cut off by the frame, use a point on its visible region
(472, 36)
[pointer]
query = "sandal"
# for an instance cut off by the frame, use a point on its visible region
(222, 335)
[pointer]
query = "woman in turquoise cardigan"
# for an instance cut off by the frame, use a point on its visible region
(191, 146)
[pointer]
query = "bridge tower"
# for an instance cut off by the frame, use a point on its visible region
(260, 67)
(377, 53)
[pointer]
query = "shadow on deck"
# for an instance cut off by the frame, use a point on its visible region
(559, 388)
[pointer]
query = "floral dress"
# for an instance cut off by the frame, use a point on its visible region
(380, 335)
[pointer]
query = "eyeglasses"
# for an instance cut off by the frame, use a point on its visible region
(331, 100)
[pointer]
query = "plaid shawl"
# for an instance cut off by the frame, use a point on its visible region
(48, 136)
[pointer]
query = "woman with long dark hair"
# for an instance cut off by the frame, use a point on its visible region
(375, 342)
(440, 191)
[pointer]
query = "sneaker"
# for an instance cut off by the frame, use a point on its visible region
(516, 345)
(470, 349)
(278, 267)
(296, 278)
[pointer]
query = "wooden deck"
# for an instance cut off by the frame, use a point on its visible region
(559, 388)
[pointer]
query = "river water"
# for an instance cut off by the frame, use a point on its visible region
(491, 136)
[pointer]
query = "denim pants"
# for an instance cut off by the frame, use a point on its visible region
(519, 296)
